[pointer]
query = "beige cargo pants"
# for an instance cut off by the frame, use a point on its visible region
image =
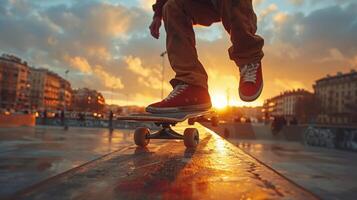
(238, 19)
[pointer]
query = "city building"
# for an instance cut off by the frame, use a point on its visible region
(87, 100)
(338, 97)
(251, 112)
(14, 85)
(66, 95)
(49, 91)
(284, 105)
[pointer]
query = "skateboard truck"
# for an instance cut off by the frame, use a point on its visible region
(190, 136)
(166, 133)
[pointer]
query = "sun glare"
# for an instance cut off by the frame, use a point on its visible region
(219, 101)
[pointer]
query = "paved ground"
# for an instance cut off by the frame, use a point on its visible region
(329, 173)
(29, 155)
(47, 163)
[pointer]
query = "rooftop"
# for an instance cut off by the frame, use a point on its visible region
(338, 76)
(290, 93)
(12, 58)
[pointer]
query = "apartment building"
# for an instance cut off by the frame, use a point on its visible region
(284, 105)
(14, 85)
(49, 90)
(338, 97)
(88, 100)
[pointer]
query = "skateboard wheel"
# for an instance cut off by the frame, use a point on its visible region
(141, 136)
(214, 121)
(191, 137)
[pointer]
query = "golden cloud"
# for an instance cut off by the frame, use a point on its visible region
(287, 84)
(109, 80)
(268, 10)
(135, 65)
(80, 63)
(280, 17)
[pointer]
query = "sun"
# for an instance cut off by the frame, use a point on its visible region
(219, 101)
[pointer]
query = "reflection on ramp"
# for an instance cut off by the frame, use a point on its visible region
(167, 170)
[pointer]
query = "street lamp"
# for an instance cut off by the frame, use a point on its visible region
(228, 97)
(163, 73)
(64, 106)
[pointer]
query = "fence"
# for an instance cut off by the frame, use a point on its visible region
(17, 120)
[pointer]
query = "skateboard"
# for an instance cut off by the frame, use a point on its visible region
(190, 136)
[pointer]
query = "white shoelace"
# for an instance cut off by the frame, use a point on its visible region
(249, 72)
(177, 90)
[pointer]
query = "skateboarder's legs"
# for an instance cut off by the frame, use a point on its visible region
(240, 22)
(238, 19)
(190, 91)
(179, 16)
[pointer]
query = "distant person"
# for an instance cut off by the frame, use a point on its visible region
(81, 119)
(44, 114)
(62, 114)
(57, 114)
(111, 115)
(278, 124)
(283, 121)
(190, 83)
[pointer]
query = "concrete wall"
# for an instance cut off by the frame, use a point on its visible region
(322, 136)
(257, 131)
(17, 120)
(95, 123)
(331, 137)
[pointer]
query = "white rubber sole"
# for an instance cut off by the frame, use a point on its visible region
(251, 98)
(194, 108)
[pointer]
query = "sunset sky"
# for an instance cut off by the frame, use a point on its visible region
(106, 45)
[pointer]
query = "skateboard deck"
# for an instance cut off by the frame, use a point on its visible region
(166, 117)
(142, 135)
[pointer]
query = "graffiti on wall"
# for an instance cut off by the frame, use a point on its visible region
(339, 138)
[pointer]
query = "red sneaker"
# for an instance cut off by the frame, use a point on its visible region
(184, 97)
(251, 81)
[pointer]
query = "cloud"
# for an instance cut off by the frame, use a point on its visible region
(268, 10)
(286, 84)
(149, 77)
(308, 46)
(297, 2)
(134, 65)
(107, 46)
(280, 18)
(81, 64)
(258, 2)
(80, 36)
(147, 4)
(110, 81)
(334, 55)
(323, 29)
